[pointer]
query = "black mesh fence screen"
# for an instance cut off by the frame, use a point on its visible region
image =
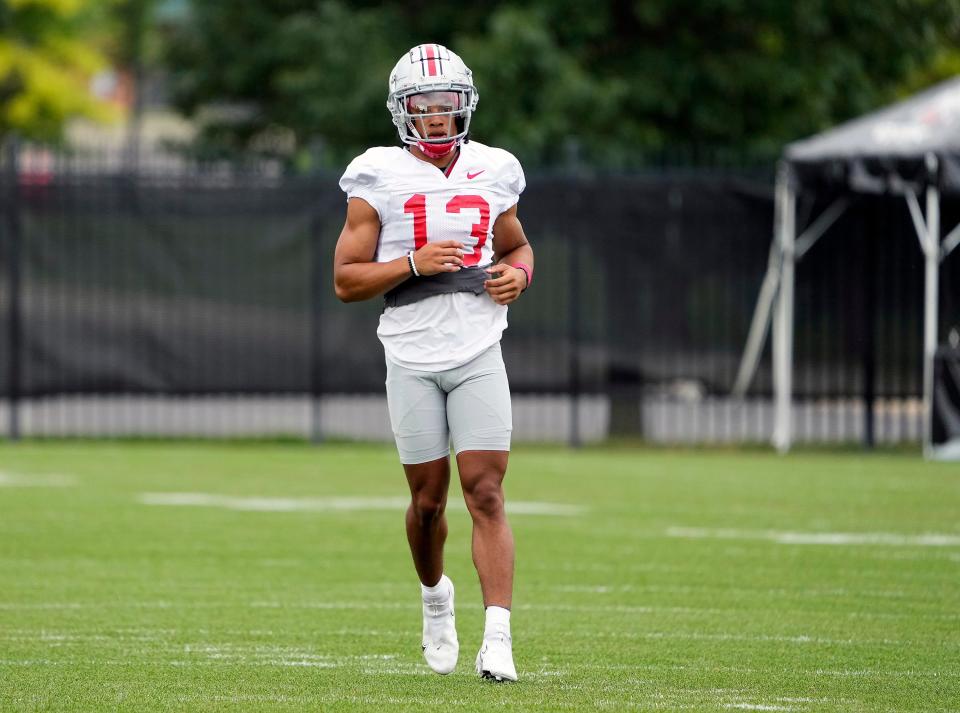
(193, 281)
(145, 287)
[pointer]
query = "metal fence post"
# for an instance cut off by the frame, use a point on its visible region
(14, 321)
(574, 323)
(317, 266)
(876, 235)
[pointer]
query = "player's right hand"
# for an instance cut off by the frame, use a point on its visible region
(442, 256)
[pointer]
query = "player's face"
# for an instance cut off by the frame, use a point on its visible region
(434, 124)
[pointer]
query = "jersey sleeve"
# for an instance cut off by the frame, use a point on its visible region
(362, 180)
(512, 181)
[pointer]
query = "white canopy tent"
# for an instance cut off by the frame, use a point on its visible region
(910, 149)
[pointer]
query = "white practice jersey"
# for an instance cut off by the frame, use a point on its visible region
(418, 204)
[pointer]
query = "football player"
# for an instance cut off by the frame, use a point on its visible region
(432, 226)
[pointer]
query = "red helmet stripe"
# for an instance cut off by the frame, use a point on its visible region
(431, 60)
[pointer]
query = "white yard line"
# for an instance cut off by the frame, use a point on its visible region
(818, 538)
(815, 593)
(77, 638)
(332, 504)
(23, 480)
(413, 605)
(43, 605)
(387, 664)
(799, 639)
(334, 605)
(752, 671)
(611, 608)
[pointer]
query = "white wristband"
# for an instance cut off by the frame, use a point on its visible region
(413, 264)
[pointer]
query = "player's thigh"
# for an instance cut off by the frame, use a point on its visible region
(478, 407)
(429, 483)
(418, 415)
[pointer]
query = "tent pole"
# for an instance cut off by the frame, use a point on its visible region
(760, 322)
(783, 318)
(931, 293)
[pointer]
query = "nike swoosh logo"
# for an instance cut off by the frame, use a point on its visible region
(474, 175)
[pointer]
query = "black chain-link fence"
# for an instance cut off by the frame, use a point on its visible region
(189, 299)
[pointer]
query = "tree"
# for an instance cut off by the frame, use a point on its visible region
(625, 79)
(45, 67)
(610, 81)
(131, 41)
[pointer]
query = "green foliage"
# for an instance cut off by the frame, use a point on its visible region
(536, 95)
(317, 69)
(611, 82)
(945, 64)
(45, 66)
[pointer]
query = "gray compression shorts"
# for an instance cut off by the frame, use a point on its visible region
(469, 404)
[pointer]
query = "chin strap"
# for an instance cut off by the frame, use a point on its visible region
(437, 150)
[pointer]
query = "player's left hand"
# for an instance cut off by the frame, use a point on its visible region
(506, 284)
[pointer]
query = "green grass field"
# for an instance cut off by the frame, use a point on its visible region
(698, 580)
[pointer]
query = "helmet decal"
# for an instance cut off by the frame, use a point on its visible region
(431, 56)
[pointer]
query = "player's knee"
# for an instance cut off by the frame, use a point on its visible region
(427, 507)
(485, 499)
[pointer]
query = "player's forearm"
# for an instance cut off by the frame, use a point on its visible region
(358, 281)
(522, 253)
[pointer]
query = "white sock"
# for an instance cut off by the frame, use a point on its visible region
(437, 591)
(498, 621)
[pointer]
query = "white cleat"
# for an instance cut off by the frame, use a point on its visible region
(495, 660)
(440, 645)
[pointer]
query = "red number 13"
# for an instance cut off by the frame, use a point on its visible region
(417, 205)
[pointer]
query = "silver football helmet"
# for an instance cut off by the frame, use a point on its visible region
(429, 81)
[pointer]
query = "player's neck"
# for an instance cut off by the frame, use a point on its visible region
(443, 162)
